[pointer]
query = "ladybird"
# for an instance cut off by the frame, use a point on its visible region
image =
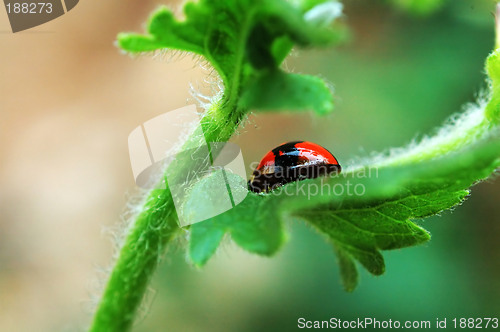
(292, 161)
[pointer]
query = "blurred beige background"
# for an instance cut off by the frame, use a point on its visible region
(68, 101)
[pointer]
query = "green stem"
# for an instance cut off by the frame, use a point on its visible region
(154, 227)
(148, 237)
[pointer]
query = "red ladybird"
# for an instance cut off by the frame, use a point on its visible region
(290, 162)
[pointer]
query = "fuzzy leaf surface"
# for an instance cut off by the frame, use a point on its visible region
(244, 41)
(374, 204)
(380, 217)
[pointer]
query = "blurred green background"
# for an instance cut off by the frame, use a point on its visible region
(70, 99)
(398, 77)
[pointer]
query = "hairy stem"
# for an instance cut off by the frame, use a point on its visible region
(153, 229)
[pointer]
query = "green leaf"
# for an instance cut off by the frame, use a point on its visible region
(244, 41)
(383, 218)
(373, 205)
(395, 189)
(279, 91)
(348, 270)
(251, 227)
(361, 212)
